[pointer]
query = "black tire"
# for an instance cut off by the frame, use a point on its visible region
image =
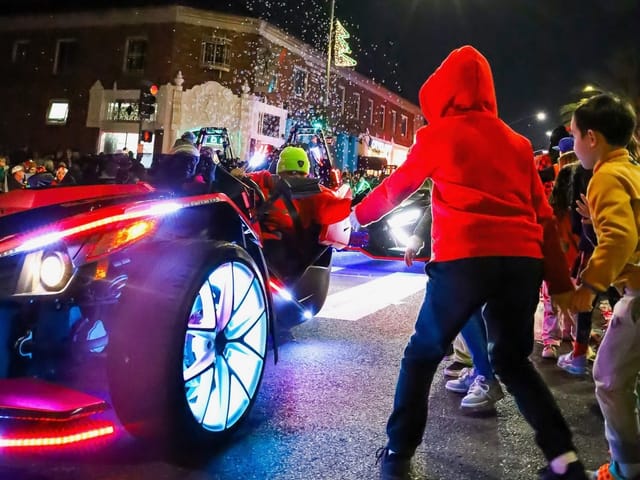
(167, 327)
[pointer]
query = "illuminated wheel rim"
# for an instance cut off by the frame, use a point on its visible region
(225, 346)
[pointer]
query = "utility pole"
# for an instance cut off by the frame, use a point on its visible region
(329, 54)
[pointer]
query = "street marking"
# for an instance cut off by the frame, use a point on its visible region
(357, 302)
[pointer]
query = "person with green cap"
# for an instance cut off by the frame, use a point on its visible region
(277, 224)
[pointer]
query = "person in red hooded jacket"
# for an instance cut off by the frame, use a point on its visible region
(494, 238)
(283, 247)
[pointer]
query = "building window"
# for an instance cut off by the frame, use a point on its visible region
(368, 115)
(269, 125)
(58, 112)
(20, 52)
(300, 78)
(66, 56)
(404, 125)
(382, 113)
(342, 92)
(136, 54)
(394, 121)
(356, 105)
(216, 54)
(123, 111)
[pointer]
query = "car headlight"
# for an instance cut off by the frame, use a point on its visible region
(401, 224)
(404, 218)
(45, 272)
(55, 270)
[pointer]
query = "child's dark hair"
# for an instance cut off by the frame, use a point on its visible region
(614, 118)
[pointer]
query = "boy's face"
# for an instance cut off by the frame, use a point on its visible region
(584, 146)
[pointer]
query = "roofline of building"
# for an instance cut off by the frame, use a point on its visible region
(195, 16)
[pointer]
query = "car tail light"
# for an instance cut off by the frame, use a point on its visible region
(57, 436)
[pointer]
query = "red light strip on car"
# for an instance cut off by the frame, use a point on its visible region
(103, 217)
(40, 241)
(80, 435)
(82, 224)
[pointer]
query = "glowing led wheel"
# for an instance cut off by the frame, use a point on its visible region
(225, 346)
(187, 348)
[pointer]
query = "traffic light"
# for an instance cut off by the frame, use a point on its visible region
(148, 92)
(146, 136)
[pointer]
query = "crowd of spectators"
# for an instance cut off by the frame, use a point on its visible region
(25, 169)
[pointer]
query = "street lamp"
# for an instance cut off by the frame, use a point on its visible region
(539, 116)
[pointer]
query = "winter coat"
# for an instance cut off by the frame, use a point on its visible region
(614, 203)
(323, 208)
(487, 197)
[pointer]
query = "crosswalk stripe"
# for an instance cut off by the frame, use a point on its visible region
(357, 302)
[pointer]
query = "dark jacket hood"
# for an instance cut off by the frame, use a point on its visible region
(462, 83)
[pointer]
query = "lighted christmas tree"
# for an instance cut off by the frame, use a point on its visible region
(342, 49)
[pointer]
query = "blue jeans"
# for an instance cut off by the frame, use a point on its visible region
(474, 334)
(508, 287)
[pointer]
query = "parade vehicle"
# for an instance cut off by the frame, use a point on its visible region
(167, 294)
(316, 142)
(387, 238)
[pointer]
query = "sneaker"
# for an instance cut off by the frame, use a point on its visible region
(449, 353)
(574, 472)
(573, 365)
(463, 382)
(482, 395)
(609, 471)
(454, 369)
(550, 352)
(392, 465)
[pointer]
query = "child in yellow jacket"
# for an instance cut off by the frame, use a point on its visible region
(602, 127)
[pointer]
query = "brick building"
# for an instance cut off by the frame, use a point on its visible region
(74, 79)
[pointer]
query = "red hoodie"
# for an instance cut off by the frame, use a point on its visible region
(487, 197)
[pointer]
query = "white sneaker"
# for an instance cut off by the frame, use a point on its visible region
(482, 395)
(463, 382)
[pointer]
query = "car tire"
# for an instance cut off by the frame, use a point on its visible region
(188, 344)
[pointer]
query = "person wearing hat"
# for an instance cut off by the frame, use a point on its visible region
(556, 325)
(186, 144)
(566, 153)
(277, 225)
(17, 179)
(63, 177)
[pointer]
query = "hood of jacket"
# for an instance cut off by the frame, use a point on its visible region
(462, 83)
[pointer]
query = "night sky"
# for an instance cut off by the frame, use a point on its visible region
(542, 51)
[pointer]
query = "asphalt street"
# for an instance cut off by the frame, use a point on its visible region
(322, 408)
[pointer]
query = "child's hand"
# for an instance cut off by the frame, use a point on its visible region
(563, 301)
(582, 300)
(413, 245)
(583, 208)
(353, 220)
